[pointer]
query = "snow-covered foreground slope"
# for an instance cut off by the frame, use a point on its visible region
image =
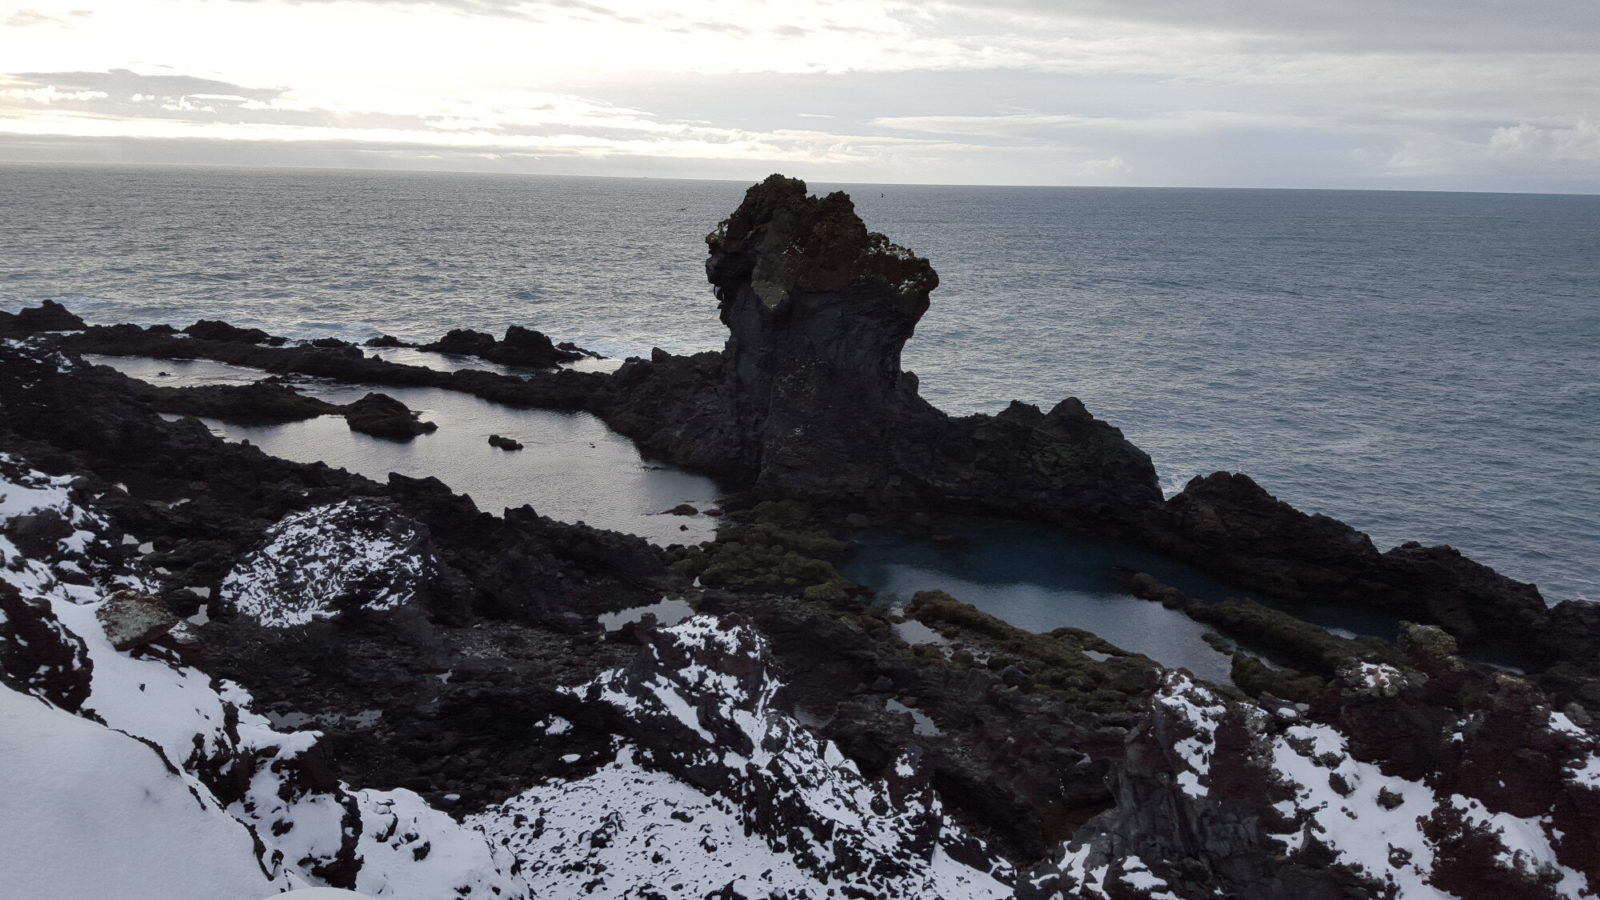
(161, 782)
(773, 810)
(1396, 837)
(132, 774)
(128, 771)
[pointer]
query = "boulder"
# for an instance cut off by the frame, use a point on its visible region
(380, 415)
(462, 342)
(521, 347)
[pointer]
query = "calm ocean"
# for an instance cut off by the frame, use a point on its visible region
(1423, 366)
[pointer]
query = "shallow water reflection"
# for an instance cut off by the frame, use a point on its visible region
(573, 467)
(1040, 581)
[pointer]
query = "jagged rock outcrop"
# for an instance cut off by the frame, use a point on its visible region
(47, 316)
(213, 330)
(520, 347)
(817, 310)
(1230, 524)
(711, 761)
(40, 656)
(808, 394)
(1217, 794)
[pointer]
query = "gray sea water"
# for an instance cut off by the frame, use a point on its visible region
(1423, 366)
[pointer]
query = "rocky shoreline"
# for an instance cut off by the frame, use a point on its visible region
(459, 656)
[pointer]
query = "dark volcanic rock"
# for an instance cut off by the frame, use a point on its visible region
(463, 342)
(521, 347)
(383, 416)
(212, 330)
(38, 655)
(808, 394)
(526, 347)
(1228, 523)
(262, 402)
(47, 316)
(504, 443)
(817, 310)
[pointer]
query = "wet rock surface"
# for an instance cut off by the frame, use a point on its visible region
(520, 347)
(212, 330)
(381, 415)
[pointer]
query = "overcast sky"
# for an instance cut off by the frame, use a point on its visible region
(1415, 94)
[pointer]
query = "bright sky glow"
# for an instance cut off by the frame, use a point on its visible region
(1433, 94)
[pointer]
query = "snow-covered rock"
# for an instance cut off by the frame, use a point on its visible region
(716, 788)
(1240, 780)
(311, 564)
(131, 774)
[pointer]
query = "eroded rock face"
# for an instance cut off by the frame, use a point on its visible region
(1229, 523)
(817, 310)
(808, 393)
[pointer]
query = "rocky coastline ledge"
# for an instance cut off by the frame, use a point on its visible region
(188, 607)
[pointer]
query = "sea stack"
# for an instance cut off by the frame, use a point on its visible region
(818, 309)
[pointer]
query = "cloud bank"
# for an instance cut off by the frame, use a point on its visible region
(1461, 95)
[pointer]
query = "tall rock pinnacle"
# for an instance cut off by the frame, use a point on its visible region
(818, 309)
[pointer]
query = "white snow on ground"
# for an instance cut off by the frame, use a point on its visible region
(311, 558)
(122, 809)
(627, 831)
(1585, 769)
(1378, 827)
(630, 828)
(86, 811)
(1203, 711)
(24, 492)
